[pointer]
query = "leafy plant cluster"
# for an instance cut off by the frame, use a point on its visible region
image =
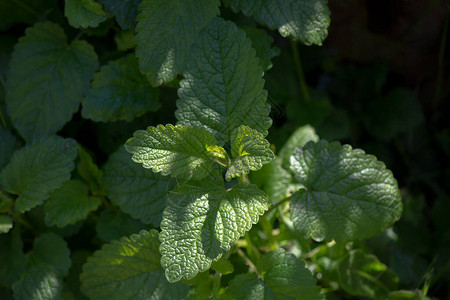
(106, 193)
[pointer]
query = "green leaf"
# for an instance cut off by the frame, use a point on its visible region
(119, 92)
(305, 20)
(202, 220)
(125, 11)
(300, 137)
(112, 225)
(223, 266)
(89, 171)
(13, 11)
(166, 30)
(129, 269)
(250, 152)
(364, 275)
(53, 250)
(6, 223)
(173, 150)
(7, 146)
(125, 40)
(137, 191)
(262, 43)
(37, 170)
(223, 85)
(283, 276)
(42, 89)
(347, 194)
(12, 258)
(407, 295)
(84, 13)
(69, 204)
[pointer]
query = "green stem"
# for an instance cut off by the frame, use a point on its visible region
(251, 265)
(277, 204)
(440, 72)
(299, 70)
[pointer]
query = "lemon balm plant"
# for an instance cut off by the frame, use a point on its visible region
(173, 211)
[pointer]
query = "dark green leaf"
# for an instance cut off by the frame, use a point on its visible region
(84, 13)
(12, 258)
(89, 171)
(262, 43)
(46, 80)
(7, 146)
(300, 137)
(125, 40)
(125, 11)
(112, 225)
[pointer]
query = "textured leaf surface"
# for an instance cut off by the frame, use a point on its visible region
(347, 194)
(7, 146)
(37, 170)
(223, 85)
(173, 150)
(202, 220)
(137, 191)
(6, 223)
(69, 204)
(84, 13)
(166, 30)
(300, 137)
(42, 88)
(119, 92)
(304, 20)
(129, 269)
(250, 152)
(125, 11)
(364, 275)
(262, 43)
(283, 277)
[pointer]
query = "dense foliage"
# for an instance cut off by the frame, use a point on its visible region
(178, 149)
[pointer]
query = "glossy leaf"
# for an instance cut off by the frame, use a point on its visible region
(202, 221)
(166, 30)
(119, 92)
(37, 170)
(250, 152)
(223, 85)
(173, 150)
(129, 269)
(347, 194)
(42, 90)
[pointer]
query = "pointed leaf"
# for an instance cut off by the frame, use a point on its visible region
(166, 30)
(137, 191)
(125, 11)
(283, 277)
(6, 223)
(347, 194)
(250, 152)
(37, 170)
(300, 137)
(173, 150)
(42, 89)
(129, 269)
(223, 85)
(304, 20)
(69, 204)
(119, 92)
(202, 221)
(84, 13)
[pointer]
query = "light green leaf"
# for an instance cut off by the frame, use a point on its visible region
(166, 30)
(202, 220)
(137, 191)
(12, 259)
(129, 269)
(250, 152)
(119, 92)
(125, 40)
(262, 43)
(69, 204)
(364, 275)
(89, 171)
(125, 11)
(223, 85)
(305, 20)
(173, 150)
(6, 224)
(283, 276)
(112, 225)
(84, 13)
(42, 90)
(347, 194)
(223, 266)
(407, 295)
(37, 170)
(7, 146)
(300, 137)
